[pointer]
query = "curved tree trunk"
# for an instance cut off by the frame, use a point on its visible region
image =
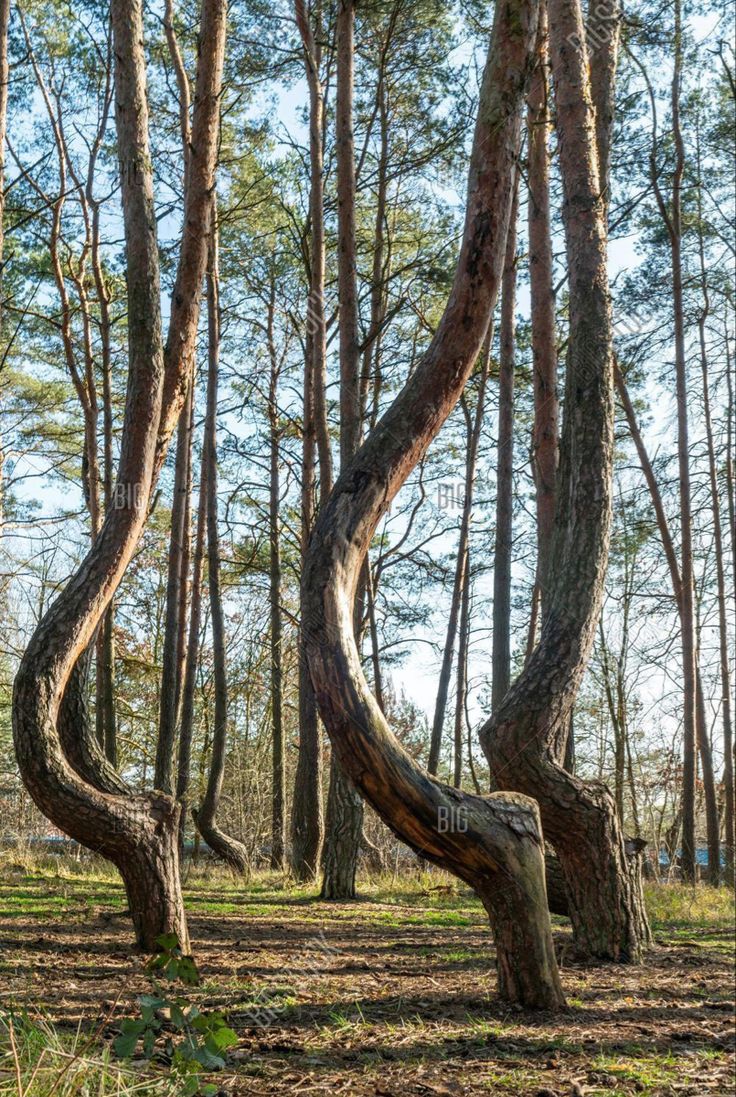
(228, 849)
(494, 843)
(525, 739)
(138, 833)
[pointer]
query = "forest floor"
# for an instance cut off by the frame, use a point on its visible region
(390, 996)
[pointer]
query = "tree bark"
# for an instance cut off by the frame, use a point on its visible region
(344, 820)
(175, 610)
(723, 632)
(228, 849)
(544, 337)
(701, 723)
(306, 811)
(501, 650)
(473, 441)
(137, 833)
(278, 810)
(494, 842)
(672, 220)
(191, 663)
(525, 738)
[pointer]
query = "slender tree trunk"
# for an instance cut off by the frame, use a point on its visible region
(175, 610)
(189, 685)
(461, 693)
(501, 654)
(172, 661)
(473, 440)
(344, 821)
(306, 812)
(493, 843)
(672, 220)
(4, 74)
(526, 736)
(106, 714)
(278, 811)
(227, 848)
(723, 632)
(712, 816)
(712, 821)
(544, 337)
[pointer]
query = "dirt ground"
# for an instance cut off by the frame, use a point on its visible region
(392, 996)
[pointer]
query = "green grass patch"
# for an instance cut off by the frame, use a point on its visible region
(37, 1060)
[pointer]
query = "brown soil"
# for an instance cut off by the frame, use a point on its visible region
(340, 999)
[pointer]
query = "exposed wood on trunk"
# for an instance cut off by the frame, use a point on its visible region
(497, 847)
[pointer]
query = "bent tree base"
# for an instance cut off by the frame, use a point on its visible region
(605, 900)
(602, 894)
(344, 826)
(150, 872)
(228, 849)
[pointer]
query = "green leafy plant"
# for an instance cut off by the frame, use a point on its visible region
(172, 1028)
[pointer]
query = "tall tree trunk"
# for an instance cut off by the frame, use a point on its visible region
(306, 811)
(501, 652)
(701, 723)
(278, 811)
(461, 692)
(191, 664)
(105, 685)
(493, 842)
(175, 610)
(344, 820)
(672, 220)
(544, 337)
(172, 661)
(471, 458)
(526, 736)
(4, 75)
(723, 631)
(138, 833)
(227, 848)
